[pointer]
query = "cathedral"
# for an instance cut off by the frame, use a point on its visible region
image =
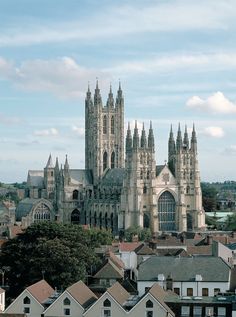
(118, 190)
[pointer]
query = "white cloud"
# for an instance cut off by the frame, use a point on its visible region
(216, 103)
(170, 63)
(62, 77)
(79, 131)
(215, 132)
(47, 132)
(127, 19)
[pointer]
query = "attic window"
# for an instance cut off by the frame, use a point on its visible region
(26, 300)
(149, 304)
(107, 303)
(66, 301)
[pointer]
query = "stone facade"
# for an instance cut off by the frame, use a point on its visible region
(113, 192)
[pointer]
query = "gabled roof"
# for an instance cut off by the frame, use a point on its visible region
(35, 178)
(110, 270)
(144, 250)
(81, 293)
(40, 290)
(115, 259)
(185, 268)
(118, 293)
(159, 294)
(129, 246)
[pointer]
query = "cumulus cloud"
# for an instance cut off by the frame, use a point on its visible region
(52, 132)
(79, 131)
(216, 103)
(62, 77)
(215, 132)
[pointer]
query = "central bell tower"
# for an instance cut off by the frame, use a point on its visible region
(104, 132)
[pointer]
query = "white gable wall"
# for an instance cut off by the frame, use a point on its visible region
(17, 307)
(57, 307)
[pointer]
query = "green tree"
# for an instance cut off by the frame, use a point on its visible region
(142, 233)
(209, 196)
(63, 254)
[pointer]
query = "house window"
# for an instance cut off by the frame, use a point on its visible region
(149, 304)
(205, 292)
(104, 161)
(221, 312)
(216, 291)
(149, 313)
(26, 300)
(177, 290)
(185, 310)
(26, 310)
(66, 311)
(107, 303)
(66, 301)
(107, 313)
(189, 292)
(197, 311)
(209, 311)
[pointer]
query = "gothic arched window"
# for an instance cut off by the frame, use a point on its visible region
(113, 160)
(42, 213)
(75, 217)
(104, 161)
(166, 212)
(75, 194)
(112, 125)
(105, 125)
(106, 221)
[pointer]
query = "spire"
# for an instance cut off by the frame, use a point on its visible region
(66, 165)
(50, 163)
(57, 165)
(194, 140)
(97, 95)
(179, 142)
(143, 138)
(119, 97)
(186, 140)
(171, 143)
(128, 142)
(151, 143)
(110, 100)
(136, 137)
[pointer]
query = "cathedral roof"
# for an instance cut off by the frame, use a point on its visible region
(114, 177)
(81, 176)
(26, 205)
(35, 178)
(159, 168)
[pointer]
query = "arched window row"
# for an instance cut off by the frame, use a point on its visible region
(42, 213)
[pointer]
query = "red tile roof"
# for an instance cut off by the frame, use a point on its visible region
(118, 293)
(129, 246)
(41, 290)
(81, 293)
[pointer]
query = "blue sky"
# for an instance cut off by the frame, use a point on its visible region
(176, 61)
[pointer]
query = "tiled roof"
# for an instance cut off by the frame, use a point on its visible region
(35, 178)
(114, 176)
(110, 270)
(159, 294)
(81, 293)
(41, 290)
(184, 268)
(115, 259)
(144, 250)
(81, 176)
(129, 246)
(118, 293)
(200, 250)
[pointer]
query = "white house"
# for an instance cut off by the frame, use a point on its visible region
(72, 302)
(186, 276)
(31, 300)
(2, 300)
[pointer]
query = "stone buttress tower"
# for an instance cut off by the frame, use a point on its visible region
(183, 162)
(104, 132)
(49, 178)
(140, 173)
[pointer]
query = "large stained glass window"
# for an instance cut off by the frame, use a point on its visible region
(166, 212)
